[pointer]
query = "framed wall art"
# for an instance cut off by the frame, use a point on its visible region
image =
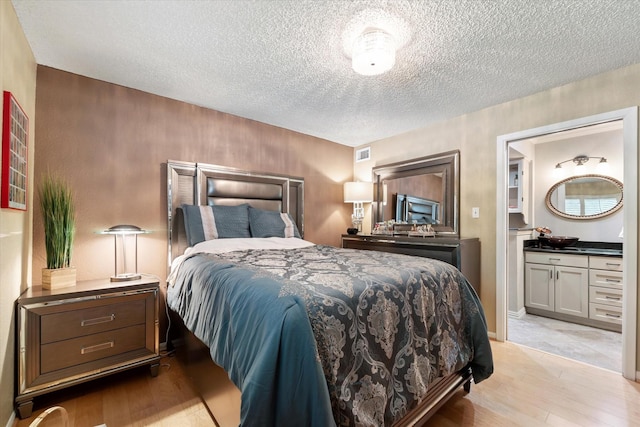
(15, 133)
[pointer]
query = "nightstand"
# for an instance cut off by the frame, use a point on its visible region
(71, 335)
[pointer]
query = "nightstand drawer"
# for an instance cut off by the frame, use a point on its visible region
(87, 321)
(63, 354)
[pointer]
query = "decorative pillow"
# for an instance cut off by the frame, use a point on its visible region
(265, 223)
(232, 221)
(212, 222)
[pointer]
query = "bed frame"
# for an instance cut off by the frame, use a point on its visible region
(205, 184)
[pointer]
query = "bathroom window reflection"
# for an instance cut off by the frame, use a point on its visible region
(585, 197)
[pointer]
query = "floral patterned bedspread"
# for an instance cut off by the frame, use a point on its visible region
(383, 325)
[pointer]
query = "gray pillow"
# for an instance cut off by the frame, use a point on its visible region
(232, 221)
(215, 222)
(265, 223)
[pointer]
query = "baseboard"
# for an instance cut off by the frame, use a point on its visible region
(12, 419)
(517, 314)
(492, 335)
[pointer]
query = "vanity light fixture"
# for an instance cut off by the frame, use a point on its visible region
(123, 272)
(580, 161)
(358, 193)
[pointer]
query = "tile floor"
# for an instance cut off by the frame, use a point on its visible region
(583, 343)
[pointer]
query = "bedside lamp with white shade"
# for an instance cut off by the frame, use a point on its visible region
(357, 193)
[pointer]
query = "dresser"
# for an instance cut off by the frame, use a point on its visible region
(464, 254)
(75, 334)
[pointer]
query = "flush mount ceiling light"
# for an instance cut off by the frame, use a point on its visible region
(372, 38)
(374, 52)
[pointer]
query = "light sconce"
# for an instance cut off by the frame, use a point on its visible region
(124, 270)
(357, 193)
(580, 161)
(374, 53)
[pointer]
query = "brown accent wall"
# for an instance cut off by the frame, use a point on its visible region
(112, 144)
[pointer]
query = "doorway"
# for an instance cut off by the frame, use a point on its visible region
(629, 119)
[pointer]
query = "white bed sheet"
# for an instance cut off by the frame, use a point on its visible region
(220, 246)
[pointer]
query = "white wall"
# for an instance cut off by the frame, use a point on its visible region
(547, 155)
(18, 76)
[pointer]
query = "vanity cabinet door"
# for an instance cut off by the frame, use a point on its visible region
(539, 286)
(572, 291)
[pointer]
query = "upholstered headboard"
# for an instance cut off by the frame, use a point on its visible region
(418, 209)
(204, 184)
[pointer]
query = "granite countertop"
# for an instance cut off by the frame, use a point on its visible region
(580, 248)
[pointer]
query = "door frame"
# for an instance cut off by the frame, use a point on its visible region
(629, 117)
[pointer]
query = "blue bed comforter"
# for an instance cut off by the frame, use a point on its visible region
(321, 336)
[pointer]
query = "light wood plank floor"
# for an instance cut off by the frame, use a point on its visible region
(528, 388)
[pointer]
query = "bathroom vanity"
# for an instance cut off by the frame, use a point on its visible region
(581, 284)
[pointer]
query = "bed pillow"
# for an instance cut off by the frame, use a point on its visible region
(265, 223)
(215, 222)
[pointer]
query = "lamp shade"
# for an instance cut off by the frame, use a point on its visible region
(358, 192)
(124, 229)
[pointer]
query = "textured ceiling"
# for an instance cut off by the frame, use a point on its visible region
(284, 62)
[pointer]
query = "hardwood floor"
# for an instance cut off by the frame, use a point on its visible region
(528, 388)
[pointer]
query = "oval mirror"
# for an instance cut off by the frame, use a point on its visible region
(585, 197)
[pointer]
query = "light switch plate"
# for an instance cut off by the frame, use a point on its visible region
(475, 212)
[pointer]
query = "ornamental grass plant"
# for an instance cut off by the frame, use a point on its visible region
(58, 212)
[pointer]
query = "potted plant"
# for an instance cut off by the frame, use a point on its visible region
(58, 212)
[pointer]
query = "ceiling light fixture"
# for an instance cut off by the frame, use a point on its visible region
(371, 40)
(374, 53)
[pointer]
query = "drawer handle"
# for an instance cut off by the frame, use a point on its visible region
(610, 298)
(613, 316)
(554, 259)
(613, 264)
(613, 280)
(97, 347)
(98, 320)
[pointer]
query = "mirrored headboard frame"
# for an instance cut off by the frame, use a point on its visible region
(447, 163)
(206, 184)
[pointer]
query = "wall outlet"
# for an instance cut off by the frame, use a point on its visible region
(475, 212)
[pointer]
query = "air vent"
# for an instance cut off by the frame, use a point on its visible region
(363, 154)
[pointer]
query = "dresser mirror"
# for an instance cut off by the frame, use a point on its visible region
(420, 191)
(585, 197)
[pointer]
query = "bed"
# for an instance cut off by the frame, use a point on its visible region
(309, 334)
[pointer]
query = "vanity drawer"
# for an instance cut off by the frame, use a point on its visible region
(557, 259)
(606, 296)
(605, 313)
(605, 279)
(606, 263)
(87, 321)
(68, 353)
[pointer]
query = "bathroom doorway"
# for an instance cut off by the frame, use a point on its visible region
(630, 137)
(533, 171)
